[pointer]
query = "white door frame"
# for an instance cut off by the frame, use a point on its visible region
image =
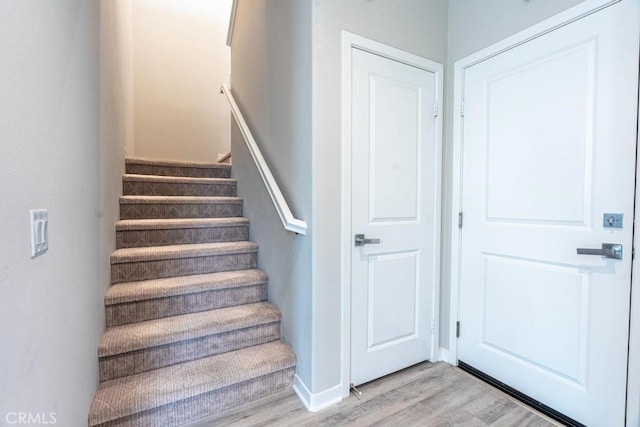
(349, 42)
(633, 375)
(583, 9)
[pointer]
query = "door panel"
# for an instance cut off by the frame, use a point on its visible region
(548, 307)
(393, 199)
(392, 312)
(549, 148)
(394, 165)
(559, 84)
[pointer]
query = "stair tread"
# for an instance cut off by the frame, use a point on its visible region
(136, 393)
(156, 253)
(165, 224)
(176, 179)
(159, 288)
(176, 163)
(178, 199)
(152, 333)
(231, 303)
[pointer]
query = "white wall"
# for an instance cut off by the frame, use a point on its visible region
(474, 25)
(180, 61)
(271, 81)
(50, 306)
(416, 26)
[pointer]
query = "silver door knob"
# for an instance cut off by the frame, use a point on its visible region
(609, 250)
(361, 241)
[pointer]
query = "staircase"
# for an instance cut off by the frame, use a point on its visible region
(189, 332)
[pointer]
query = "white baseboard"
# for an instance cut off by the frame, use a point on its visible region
(221, 155)
(444, 356)
(315, 402)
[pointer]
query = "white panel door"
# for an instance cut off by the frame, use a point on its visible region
(394, 200)
(549, 148)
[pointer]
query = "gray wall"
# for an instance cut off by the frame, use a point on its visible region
(116, 124)
(271, 81)
(416, 26)
(51, 306)
(474, 25)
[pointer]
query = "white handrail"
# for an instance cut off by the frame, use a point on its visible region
(232, 22)
(288, 220)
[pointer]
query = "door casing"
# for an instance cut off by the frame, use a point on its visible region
(349, 42)
(633, 374)
(450, 355)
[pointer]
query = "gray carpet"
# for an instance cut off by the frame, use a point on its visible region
(189, 332)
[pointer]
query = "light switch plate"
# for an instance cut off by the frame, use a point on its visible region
(39, 232)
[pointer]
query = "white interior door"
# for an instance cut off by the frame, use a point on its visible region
(549, 148)
(394, 199)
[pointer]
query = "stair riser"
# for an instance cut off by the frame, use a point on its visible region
(140, 311)
(208, 404)
(139, 361)
(146, 270)
(135, 188)
(187, 172)
(180, 236)
(179, 210)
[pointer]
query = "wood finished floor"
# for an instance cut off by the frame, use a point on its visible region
(428, 394)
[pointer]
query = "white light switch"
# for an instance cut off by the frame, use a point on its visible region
(39, 232)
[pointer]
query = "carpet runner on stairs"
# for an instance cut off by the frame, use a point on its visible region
(189, 331)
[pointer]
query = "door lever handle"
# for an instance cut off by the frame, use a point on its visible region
(609, 250)
(361, 241)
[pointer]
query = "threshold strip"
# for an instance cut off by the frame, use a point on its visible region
(539, 406)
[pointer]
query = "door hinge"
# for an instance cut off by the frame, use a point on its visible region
(459, 219)
(458, 329)
(435, 108)
(433, 326)
(462, 107)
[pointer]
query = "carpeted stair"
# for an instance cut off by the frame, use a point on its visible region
(189, 331)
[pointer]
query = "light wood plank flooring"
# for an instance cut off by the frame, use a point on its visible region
(428, 394)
